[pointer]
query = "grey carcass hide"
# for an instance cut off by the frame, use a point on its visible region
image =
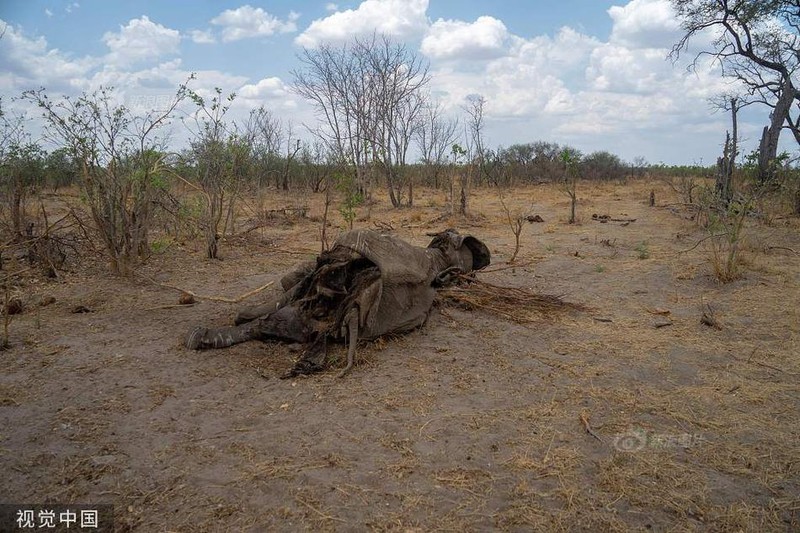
(367, 285)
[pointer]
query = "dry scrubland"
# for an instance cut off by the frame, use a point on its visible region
(473, 422)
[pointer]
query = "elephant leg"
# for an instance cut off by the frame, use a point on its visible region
(248, 314)
(285, 324)
(351, 329)
(201, 338)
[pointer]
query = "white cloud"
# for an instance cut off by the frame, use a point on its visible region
(27, 63)
(141, 40)
(531, 78)
(330, 6)
(271, 90)
(246, 21)
(644, 24)
(48, 13)
(619, 69)
(397, 18)
(455, 39)
(202, 37)
(70, 7)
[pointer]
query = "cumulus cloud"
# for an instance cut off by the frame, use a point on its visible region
(531, 77)
(141, 40)
(28, 62)
(202, 37)
(246, 22)
(271, 90)
(330, 6)
(619, 69)
(396, 18)
(455, 39)
(644, 24)
(265, 87)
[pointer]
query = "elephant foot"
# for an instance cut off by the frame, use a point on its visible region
(196, 338)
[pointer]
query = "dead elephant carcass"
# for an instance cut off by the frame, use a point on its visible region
(367, 285)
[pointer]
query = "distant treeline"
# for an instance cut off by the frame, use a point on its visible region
(518, 164)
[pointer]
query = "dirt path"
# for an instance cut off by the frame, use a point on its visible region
(471, 423)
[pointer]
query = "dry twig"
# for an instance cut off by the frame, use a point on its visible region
(587, 427)
(236, 300)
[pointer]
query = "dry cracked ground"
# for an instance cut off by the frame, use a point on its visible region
(630, 415)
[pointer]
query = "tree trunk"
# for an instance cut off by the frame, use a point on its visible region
(410, 189)
(797, 203)
(768, 147)
(390, 185)
(573, 201)
(16, 210)
(722, 186)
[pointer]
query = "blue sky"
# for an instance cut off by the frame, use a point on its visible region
(590, 73)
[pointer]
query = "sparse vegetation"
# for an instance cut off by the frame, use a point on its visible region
(642, 250)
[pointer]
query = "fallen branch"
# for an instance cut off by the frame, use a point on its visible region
(698, 243)
(515, 265)
(169, 306)
(211, 298)
(783, 248)
(759, 363)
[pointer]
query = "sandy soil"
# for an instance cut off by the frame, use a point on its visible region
(471, 423)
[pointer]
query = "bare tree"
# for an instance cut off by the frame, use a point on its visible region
(266, 132)
(434, 139)
(474, 108)
(757, 42)
(330, 79)
(367, 94)
(397, 77)
(292, 147)
(727, 163)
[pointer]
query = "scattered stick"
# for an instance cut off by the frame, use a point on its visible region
(709, 319)
(170, 306)
(383, 226)
(587, 427)
(516, 265)
(795, 252)
(698, 243)
(759, 363)
(236, 300)
(317, 511)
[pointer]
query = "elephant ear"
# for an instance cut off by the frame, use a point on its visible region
(480, 253)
